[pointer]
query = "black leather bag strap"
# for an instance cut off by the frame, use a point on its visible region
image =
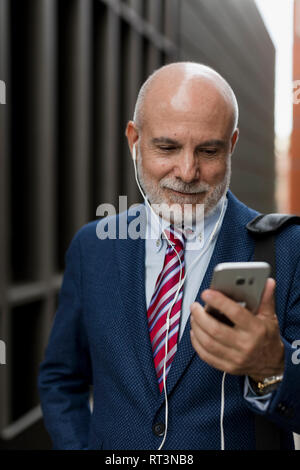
(264, 229)
(271, 223)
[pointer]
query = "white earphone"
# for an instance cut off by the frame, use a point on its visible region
(134, 152)
(181, 283)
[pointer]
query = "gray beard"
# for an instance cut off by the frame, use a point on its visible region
(189, 213)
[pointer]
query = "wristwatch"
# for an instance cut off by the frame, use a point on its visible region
(269, 384)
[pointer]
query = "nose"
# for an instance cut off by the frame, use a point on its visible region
(187, 167)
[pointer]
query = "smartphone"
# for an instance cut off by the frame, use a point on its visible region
(242, 282)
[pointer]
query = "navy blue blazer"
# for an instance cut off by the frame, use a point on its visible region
(100, 340)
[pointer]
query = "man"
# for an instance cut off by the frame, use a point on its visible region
(110, 327)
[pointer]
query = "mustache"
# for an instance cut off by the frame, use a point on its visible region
(182, 187)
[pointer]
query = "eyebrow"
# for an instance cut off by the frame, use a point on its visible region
(207, 143)
(164, 140)
(213, 143)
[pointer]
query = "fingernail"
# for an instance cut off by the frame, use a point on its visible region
(206, 295)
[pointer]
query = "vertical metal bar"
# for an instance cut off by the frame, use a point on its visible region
(134, 81)
(107, 100)
(4, 148)
(75, 117)
(172, 24)
(41, 152)
(4, 207)
(137, 5)
(99, 40)
(112, 61)
(154, 14)
(41, 132)
(153, 59)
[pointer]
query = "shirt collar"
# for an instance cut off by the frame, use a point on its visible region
(196, 233)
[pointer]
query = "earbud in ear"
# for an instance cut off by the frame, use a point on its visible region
(134, 152)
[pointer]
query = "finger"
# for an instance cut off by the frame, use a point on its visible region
(239, 315)
(218, 363)
(222, 333)
(267, 303)
(212, 345)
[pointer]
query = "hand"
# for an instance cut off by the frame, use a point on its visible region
(252, 347)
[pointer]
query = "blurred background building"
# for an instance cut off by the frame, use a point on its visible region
(294, 167)
(72, 70)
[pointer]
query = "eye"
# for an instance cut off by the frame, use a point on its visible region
(167, 148)
(209, 152)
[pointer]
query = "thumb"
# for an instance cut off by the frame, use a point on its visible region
(267, 303)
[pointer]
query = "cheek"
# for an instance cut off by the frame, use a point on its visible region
(214, 172)
(155, 168)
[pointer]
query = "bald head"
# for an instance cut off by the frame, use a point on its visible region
(181, 86)
(184, 133)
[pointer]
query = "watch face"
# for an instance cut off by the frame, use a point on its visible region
(267, 389)
(262, 388)
(269, 384)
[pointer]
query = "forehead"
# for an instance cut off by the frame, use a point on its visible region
(200, 124)
(187, 109)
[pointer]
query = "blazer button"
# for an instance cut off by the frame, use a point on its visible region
(285, 411)
(158, 429)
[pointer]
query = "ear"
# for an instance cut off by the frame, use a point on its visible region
(234, 139)
(132, 135)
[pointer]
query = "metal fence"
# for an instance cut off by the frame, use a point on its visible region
(72, 70)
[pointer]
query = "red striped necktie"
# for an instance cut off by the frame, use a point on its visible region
(165, 289)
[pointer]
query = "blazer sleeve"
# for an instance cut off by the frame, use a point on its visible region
(284, 405)
(65, 374)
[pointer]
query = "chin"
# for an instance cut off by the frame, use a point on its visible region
(179, 215)
(177, 198)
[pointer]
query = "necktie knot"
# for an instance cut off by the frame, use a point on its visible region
(175, 237)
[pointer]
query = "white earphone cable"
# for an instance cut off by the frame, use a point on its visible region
(222, 411)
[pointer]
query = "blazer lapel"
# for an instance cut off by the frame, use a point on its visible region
(131, 257)
(233, 244)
